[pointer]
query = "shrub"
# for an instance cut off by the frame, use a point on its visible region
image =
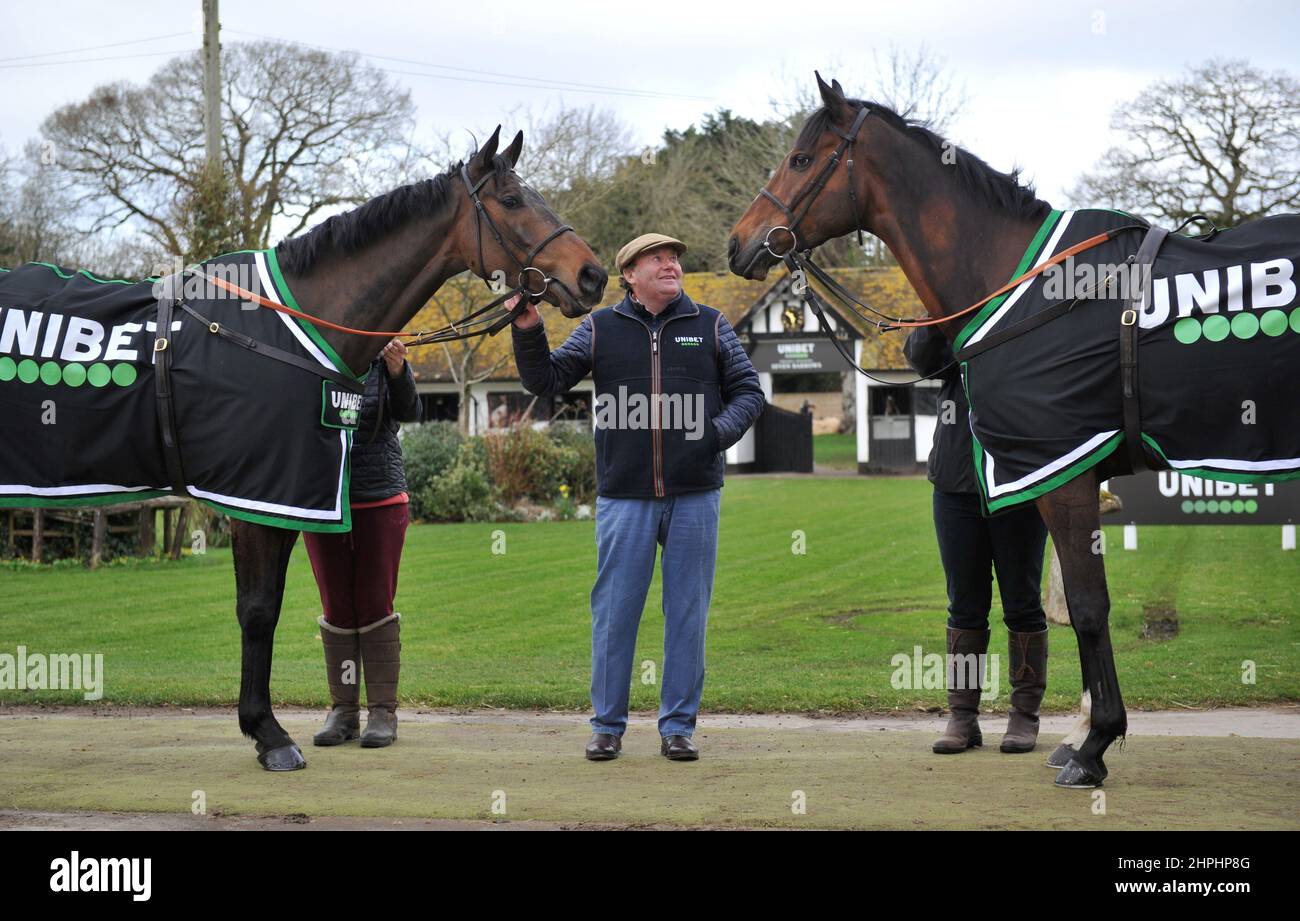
(461, 493)
(428, 452)
(579, 466)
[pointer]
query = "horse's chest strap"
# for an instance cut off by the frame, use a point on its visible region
(162, 353)
(1144, 261)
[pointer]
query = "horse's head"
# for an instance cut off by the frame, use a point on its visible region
(811, 198)
(508, 234)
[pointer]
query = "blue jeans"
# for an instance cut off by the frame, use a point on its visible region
(628, 532)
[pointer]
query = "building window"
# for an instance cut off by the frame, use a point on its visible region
(439, 407)
(890, 401)
(513, 407)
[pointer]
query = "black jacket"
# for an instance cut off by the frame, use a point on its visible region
(687, 362)
(377, 471)
(951, 465)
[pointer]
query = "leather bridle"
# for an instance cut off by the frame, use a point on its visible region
(526, 266)
(808, 194)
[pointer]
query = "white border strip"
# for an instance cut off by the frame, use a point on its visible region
(1041, 473)
(269, 289)
(89, 489)
(272, 508)
(1228, 463)
(1025, 285)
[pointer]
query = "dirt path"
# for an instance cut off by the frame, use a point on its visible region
(74, 768)
(1279, 722)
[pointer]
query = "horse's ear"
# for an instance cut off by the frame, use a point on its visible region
(482, 158)
(832, 96)
(512, 152)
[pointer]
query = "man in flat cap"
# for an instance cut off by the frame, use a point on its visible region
(674, 390)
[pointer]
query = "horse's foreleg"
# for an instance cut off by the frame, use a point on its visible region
(261, 559)
(1070, 744)
(1074, 520)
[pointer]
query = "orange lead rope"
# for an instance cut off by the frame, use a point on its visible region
(263, 302)
(1011, 285)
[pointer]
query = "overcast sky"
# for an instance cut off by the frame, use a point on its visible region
(1042, 78)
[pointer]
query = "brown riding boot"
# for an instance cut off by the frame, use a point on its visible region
(342, 671)
(963, 729)
(1028, 674)
(381, 649)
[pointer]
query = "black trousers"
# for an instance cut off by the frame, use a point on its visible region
(972, 547)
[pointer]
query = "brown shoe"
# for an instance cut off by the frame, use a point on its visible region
(963, 731)
(604, 746)
(678, 748)
(381, 655)
(1028, 674)
(342, 670)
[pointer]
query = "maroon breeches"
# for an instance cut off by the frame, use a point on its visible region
(357, 571)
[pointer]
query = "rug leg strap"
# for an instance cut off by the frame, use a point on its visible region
(162, 352)
(1144, 263)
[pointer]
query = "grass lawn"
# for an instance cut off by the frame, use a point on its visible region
(812, 631)
(835, 452)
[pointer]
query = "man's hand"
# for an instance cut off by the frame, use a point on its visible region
(528, 317)
(394, 357)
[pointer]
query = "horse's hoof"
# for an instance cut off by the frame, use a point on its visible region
(1077, 777)
(285, 758)
(1061, 757)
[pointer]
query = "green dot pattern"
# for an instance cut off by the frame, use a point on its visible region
(74, 374)
(1216, 329)
(1187, 330)
(1273, 323)
(1219, 506)
(99, 375)
(1243, 325)
(124, 374)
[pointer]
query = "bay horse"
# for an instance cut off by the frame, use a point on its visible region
(373, 268)
(958, 229)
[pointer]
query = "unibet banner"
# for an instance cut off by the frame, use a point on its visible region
(1168, 497)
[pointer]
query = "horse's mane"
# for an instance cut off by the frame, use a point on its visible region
(344, 233)
(1003, 191)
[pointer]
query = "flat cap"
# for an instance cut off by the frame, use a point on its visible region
(627, 255)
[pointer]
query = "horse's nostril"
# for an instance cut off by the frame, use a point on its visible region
(733, 245)
(592, 279)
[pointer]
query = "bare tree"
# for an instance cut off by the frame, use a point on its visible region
(917, 85)
(303, 132)
(573, 146)
(1224, 141)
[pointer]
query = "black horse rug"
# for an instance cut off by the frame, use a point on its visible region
(1217, 359)
(260, 437)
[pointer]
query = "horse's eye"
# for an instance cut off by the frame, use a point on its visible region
(510, 202)
(800, 161)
